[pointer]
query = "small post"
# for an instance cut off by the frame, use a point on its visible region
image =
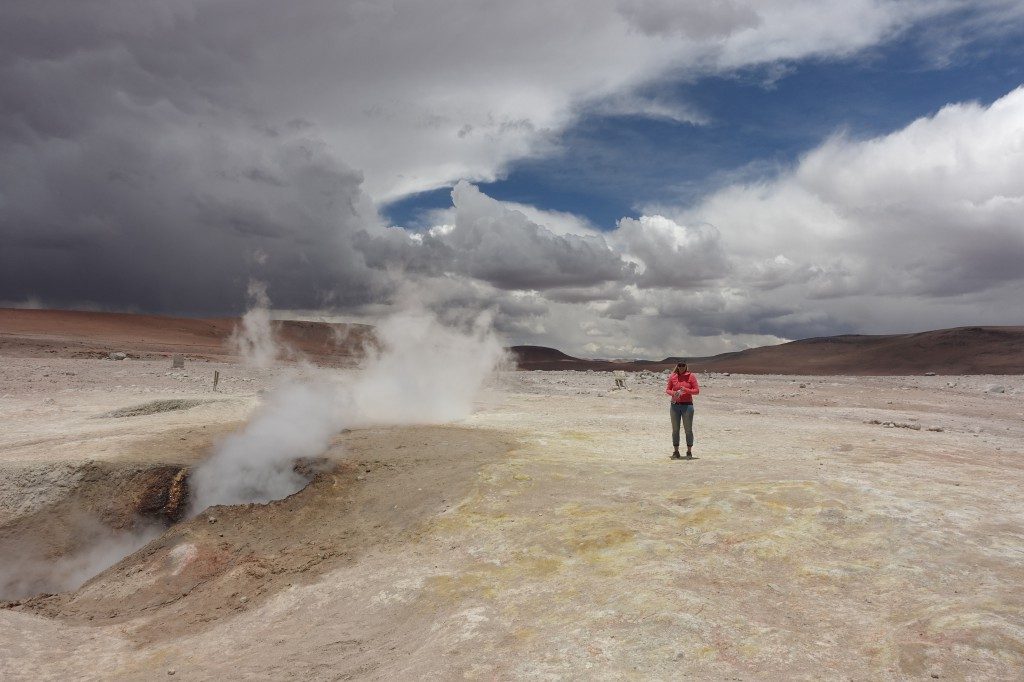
(178, 361)
(216, 380)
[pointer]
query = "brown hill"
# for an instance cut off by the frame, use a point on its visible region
(963, 350)
(70, 333)
(544, 358)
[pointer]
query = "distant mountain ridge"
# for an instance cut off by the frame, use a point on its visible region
(961, 350)
(544, 358)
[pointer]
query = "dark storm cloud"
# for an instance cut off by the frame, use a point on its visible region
(132, 176)
(175, 228)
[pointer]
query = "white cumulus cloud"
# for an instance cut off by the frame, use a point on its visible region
(920, 228)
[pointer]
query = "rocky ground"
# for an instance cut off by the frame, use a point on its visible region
(830, 528)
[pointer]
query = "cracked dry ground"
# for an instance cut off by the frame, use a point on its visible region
(549, 536)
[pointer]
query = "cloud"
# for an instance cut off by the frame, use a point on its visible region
(697, 21)
(502, 246)
(920, 228)
(875, 233)
(670, 254)
(157, 216)
(370, 80)
(657, 108)
(932, 210)
(497, 244)
(557, 222)
(157, 156)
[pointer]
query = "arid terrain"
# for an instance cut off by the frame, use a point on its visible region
(831, 527)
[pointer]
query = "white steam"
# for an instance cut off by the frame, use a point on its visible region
(422, 373)
(425, 373)
(31, 571)
(254, 339)
(256, 464)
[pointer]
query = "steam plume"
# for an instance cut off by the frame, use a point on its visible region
(423, 373)
(31, 571)
(254, 339)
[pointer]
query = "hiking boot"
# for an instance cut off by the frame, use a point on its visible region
(675, 455)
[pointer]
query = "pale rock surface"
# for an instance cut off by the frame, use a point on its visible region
(806, 541)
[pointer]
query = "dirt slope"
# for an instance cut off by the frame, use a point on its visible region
(82, 334)
(207, 569)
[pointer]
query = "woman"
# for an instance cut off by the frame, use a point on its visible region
(682, 386)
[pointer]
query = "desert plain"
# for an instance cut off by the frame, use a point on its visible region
(830, 527)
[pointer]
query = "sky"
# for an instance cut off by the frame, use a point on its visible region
(614, 178)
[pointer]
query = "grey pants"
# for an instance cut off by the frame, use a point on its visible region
(682, 411)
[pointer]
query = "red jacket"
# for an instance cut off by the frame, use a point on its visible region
(688, 383)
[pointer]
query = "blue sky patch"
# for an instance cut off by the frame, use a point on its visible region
(759, 120)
